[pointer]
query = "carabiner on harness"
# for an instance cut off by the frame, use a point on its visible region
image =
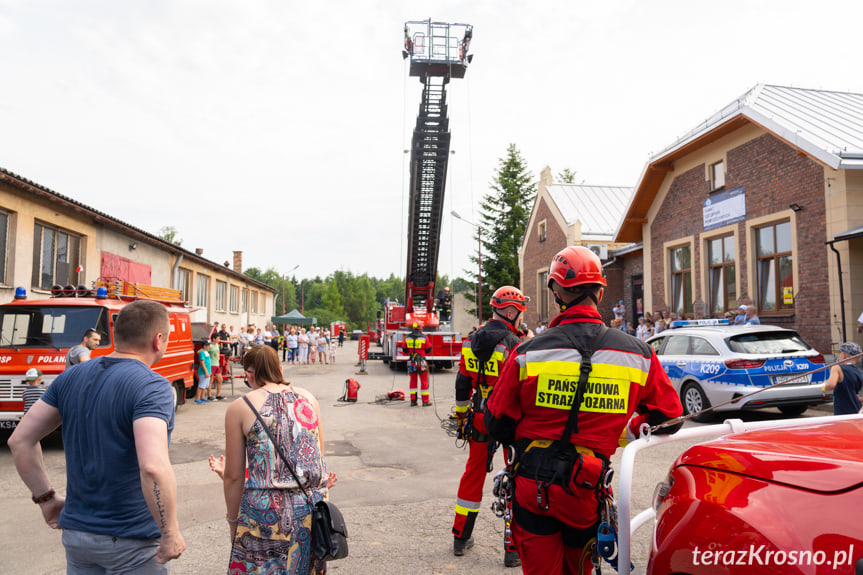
(503, 490)
(540, 487)
(606, 535)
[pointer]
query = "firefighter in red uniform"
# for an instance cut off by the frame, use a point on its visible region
(482, 356)
(416, 347)
(566, 400)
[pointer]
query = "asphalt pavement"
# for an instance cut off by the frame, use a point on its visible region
(398, 475)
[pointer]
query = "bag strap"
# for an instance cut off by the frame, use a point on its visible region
(278, 449)
(586, 352)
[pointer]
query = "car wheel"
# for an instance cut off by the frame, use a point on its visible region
(694, 401)
(793, 409)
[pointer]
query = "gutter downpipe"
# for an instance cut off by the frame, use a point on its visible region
(841, 290)
(175, 272)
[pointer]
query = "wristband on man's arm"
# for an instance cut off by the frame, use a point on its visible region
(47, 496)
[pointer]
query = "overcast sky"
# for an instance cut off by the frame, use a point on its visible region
(278, 127)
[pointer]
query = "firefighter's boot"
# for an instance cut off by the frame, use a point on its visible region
(459, 546)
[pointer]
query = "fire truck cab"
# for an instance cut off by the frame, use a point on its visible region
(39, 332)
(446, 345)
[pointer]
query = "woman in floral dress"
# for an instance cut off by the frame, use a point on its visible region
(268, 515)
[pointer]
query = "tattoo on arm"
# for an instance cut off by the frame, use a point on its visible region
(157, 494)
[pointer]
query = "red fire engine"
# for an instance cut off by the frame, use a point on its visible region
(438, 52)
(39, 332)
(337, 327)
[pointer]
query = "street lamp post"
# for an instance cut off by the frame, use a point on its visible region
(479, 260)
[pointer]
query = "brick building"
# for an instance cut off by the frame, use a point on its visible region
(741, 210)
(570, 215)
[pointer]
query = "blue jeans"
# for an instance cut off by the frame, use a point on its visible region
(95, 554)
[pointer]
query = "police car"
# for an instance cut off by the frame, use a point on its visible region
(710, 362)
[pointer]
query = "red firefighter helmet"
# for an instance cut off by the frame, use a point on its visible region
(509, 296)
(575, 266)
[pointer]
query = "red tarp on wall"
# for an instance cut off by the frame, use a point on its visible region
(116, 267)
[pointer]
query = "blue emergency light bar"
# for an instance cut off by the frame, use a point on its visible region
(699, 322)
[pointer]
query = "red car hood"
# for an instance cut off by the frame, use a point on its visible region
(826, 457)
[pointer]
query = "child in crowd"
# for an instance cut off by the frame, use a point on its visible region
(333, 344)
(204, 368)
(34, 389)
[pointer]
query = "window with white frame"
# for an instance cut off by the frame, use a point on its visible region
(234, 299)
(681, 279)
(774, 267)
(221, 295)
(184, 277)
(4, 245)
(56, 257)
(244, 301)
(253, 296)
(721, 277)
(717, 175)
(203, 290)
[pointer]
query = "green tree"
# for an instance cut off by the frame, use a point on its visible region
(340, 296)
(504, 213)
(566, 176)
(275, 280)
(169, 234)
(323, 315)
(392, 288)
(332, 300)
(460, 285)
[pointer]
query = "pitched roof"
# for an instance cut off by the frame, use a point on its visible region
(13, 179)
(598, 208)
(828, 126)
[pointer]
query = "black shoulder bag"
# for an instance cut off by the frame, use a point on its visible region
(329, 532)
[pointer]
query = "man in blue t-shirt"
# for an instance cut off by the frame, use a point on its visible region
(846, 380)
(751, 316)
(117, 415)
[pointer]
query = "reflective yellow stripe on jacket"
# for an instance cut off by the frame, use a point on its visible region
(557, 372)
(471, 362)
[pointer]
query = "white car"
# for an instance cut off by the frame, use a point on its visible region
(712, 364)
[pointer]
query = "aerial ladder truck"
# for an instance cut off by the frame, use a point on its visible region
(437, 52)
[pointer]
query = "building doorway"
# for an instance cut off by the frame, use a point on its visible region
(637, 298)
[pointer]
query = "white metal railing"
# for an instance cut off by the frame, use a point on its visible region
(629, 525)
(436, 41)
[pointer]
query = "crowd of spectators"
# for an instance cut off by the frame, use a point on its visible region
(651, 324)
(298, 345)
(648, 324)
